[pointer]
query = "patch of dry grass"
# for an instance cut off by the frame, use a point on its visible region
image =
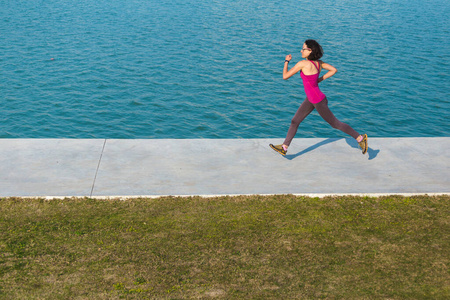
(265, 247)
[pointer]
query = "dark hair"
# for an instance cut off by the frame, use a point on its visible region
(316, 49)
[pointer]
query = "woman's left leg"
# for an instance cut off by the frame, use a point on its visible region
(302, 112)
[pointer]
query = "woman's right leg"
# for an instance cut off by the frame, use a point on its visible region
(326, 114)
(303, 111)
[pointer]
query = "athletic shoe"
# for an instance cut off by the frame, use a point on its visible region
(364, 144)
(278, 148)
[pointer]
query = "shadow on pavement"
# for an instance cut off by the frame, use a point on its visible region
(371, 152)
(351, 142)
(311, 148)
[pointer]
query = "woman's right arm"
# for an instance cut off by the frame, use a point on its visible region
(295, 69)
(331, 71)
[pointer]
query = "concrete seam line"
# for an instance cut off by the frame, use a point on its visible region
(98, 167)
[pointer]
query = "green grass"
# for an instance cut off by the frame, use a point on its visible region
(246, 247)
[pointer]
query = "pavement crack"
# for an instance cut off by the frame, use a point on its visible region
(98, 167)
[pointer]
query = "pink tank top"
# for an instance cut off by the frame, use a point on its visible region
(311, 85)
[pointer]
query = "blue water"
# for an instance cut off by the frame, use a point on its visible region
(213, 68)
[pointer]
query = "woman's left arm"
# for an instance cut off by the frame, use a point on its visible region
(331, 71)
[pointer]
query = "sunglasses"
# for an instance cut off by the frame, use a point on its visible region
(304, 49)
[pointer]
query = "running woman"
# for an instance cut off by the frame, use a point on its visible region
(309, 69)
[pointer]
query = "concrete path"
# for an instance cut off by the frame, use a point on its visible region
(130, 168)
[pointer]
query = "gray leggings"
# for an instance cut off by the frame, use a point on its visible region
(322, 108)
